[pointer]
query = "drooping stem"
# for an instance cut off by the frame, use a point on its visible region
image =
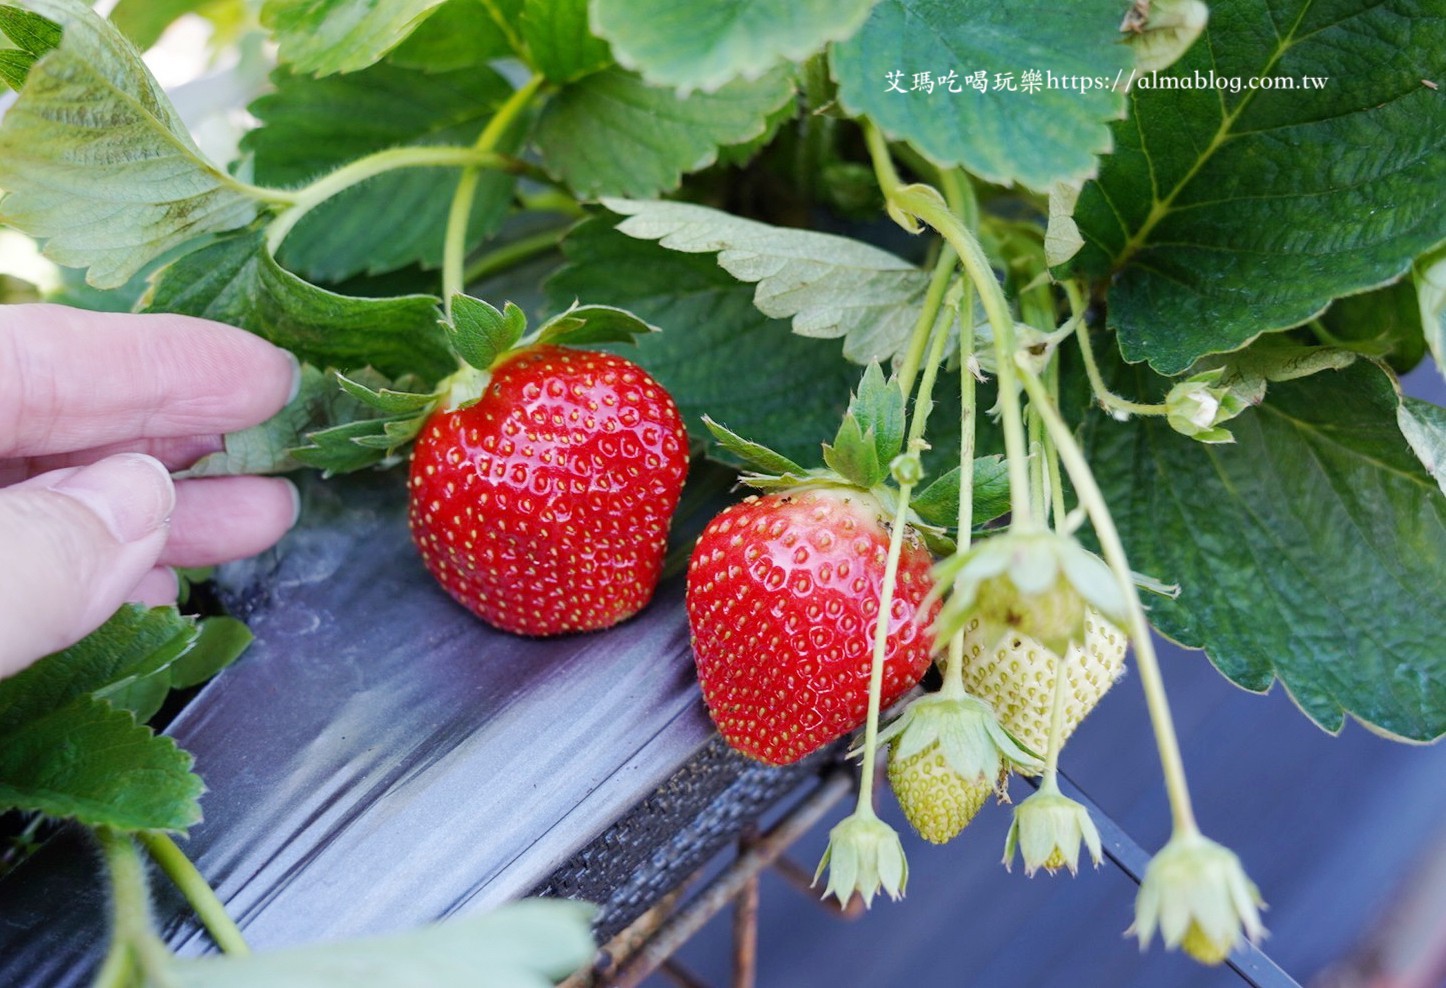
(134, 944)
(1051, 456)
(928, 315)
(925, 203)
(1093, 501)
(305, 199)
(454, 244)
(198, 892)
(1107, 399)
(1050, 782)
(968, 416)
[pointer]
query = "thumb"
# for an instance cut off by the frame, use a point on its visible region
(74, 544)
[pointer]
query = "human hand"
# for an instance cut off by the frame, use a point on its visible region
(95, 410)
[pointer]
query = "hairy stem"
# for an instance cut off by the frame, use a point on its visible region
(454, 244)
(307, 198)
(198, 892)
(1114, 552)
(134, 944)
(1107, 399)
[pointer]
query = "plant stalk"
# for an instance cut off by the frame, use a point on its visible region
(198, 892)
(1106, 398)
(134, 944)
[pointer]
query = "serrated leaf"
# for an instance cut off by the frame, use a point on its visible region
(1224, 215)
(1429, 276)
(527, 944)
(235, 280)
(321, 37)
(119, 183)
(754, 455)
(593, 325)
(311, 126)
(1312, 551)
(613, 134)
(94, 764)
(1034, 138)
(1424, 426)
(878, 405)
(938, 504)
(385, 399)
(458, 34)
(480, 333)
(1170, 28)
(854, 454)
(716, 354)
(221, 641)
(15, 66)
(28, 31)
(830, 286)
(1384, 324)
(709, 43)
(559, 40)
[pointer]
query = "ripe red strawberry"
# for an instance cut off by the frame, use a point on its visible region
(783, 595)
(544, 506)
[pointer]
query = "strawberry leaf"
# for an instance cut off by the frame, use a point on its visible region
(590, 325)
(1424, 426)
(705, 45)
(120, 184)
(1384, 324)
(830, 286)
(753, 454)
(1429, 276)
(479, 333)
(1227, 214)
(235, 280)
(456, 36)
(1283, 542)
(15, 66)
(878, 405)
(562, 46)
(385, 399)
(854, 454)
(613, 134)
(321, 37)
(938, 503)
(29, 31)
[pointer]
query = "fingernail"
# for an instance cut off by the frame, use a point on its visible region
(295, 377)
(131, 493)
(295, 503)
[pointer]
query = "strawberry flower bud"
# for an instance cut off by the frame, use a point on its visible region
(1035, 583)
(1047, 830)
(1196, 893)
(864, 854)
(1197, 405)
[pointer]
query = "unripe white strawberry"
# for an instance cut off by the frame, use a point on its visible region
(937, 801)
(1016, 675)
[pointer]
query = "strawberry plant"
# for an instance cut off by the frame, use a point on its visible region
(1098, 315)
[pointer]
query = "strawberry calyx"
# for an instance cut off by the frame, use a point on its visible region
(1047, 831)
(967, 732)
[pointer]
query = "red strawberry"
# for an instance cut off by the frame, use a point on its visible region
(544, 506)
(783, 595)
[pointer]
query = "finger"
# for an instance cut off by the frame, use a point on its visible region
(72, 380)
(157, 587)
(77, 543)
(177, 453)
(222, 518)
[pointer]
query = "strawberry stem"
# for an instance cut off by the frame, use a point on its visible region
(928, 315)
(454, 244)
(968, 414)
(1089, 494)
(198, 892)
(134, 946)
(1107, 399)
(1050, 782)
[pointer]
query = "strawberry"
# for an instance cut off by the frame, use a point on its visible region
(936, 800)
(783, 595)
(543, 505)
(1016, 676)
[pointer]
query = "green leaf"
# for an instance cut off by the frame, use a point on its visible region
(459, 34)
(94, 764)
(878, 404)
(1224, 215)
(1312, 551)
(321, 37)
(116, 185)
(221, 642)
(1424, 426)
(386, 399)
(613, 134)
(15, 66)
(479, 333)
(716, 354)
(592, 325)
(529, 944)
(854, 454)
(1034, 138)
(754, 455)
(938, 504)
(830, 286)
(705, 45)
(236, 281)
(562, 45)
(1429, 276)
(144, 21)
(312, 126)
(1384, 324)
(29, 32)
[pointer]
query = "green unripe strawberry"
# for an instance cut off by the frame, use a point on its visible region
(937, 801)
(1016, 675)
